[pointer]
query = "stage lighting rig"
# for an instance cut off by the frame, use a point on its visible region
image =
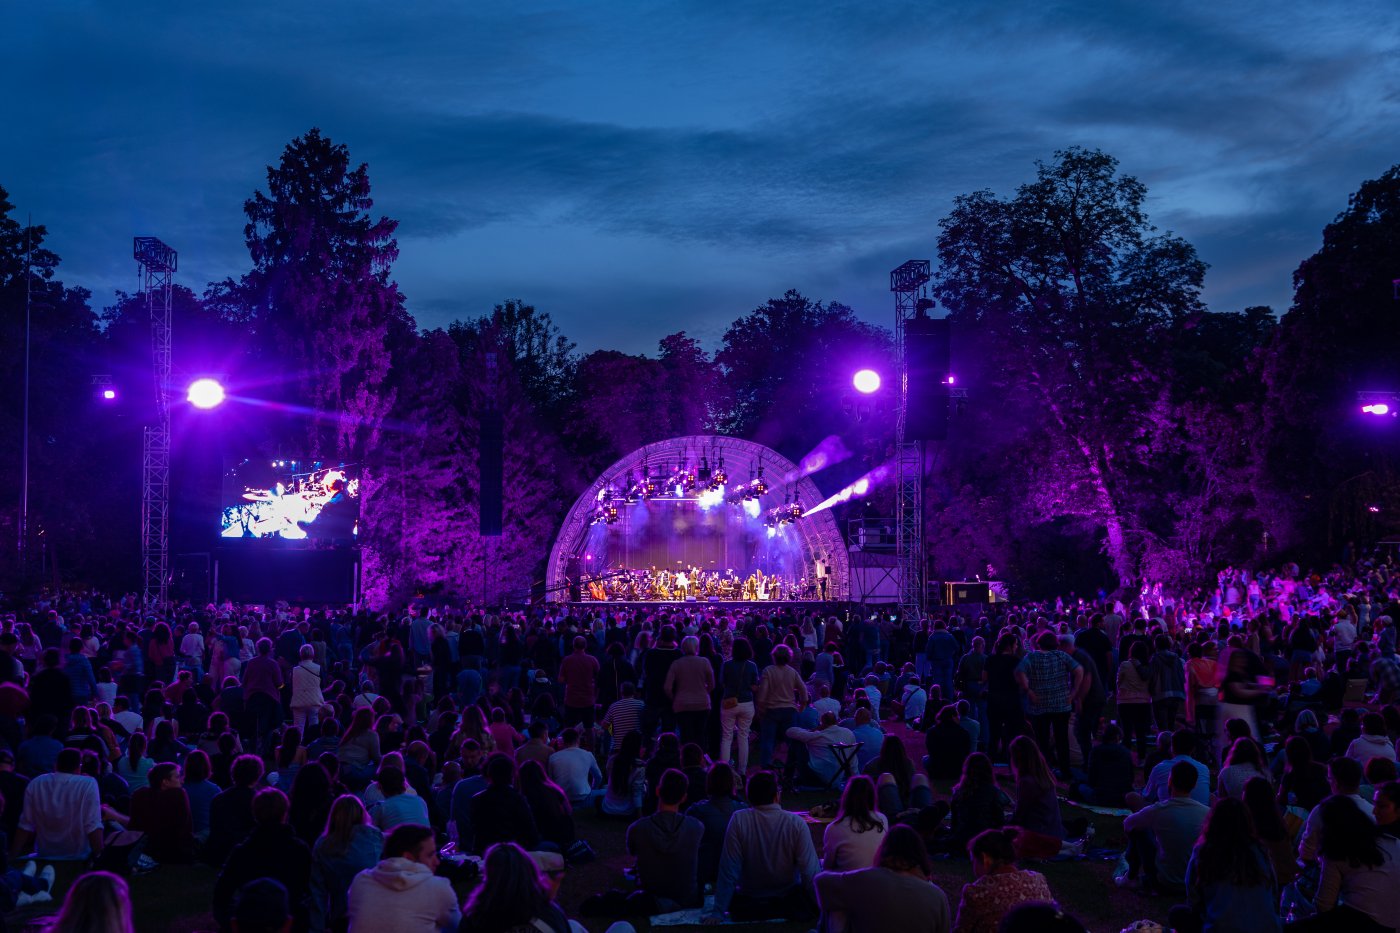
(719, 477)
(760, 485)
(702, 476)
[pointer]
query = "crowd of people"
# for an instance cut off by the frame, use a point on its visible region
(426, 769)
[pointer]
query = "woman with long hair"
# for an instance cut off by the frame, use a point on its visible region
(977, 803)
(626, 778)
(998, 885)
(290, 756)
(1270, 829)
(358, 751)
(135, 764)
(348, 845)
(1245, 763)
(1230, 883)
(512, 896)
(98, 902)
(1358, 890)
(165, 747)
(894, 761)
(554, 817)
(1304, 783)
(309, 801)
(1037, 813)
(850, 842)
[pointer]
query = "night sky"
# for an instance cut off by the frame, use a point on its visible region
(637, 169)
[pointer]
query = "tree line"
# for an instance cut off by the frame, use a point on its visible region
(1116, 429)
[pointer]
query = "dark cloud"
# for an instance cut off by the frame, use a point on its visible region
(641, 171)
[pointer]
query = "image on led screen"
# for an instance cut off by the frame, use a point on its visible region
(316, 502)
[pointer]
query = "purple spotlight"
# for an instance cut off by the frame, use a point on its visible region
(951, 379)
(205, 394)
(1379, 408)
(109, 395)
(867, 381)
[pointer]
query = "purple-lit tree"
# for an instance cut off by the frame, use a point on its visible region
(1068, 285)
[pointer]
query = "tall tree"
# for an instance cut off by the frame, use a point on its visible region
(1069, 283)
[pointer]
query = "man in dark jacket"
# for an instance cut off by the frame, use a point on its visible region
(500, 813)
(667, 847)
(231, 811)
(272, 850)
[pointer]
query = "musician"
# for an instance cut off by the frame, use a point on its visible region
(682, 585)
(337, 517)
(821, 574)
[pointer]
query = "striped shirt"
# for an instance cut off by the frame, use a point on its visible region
(624, 716)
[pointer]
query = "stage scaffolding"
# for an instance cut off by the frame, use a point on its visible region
(158, 263)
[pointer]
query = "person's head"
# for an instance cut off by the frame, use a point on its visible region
(1388, 803)
(269, 807)
(512, 893)
(391, 781)
(1378, 770)
(992, 850)
(580, 644)
(902, 850)
(1047, 641)
(69, 761)
(569, 737)
(361, 721)
(782, 655)
(1182, 779)
(1112, 734)
(690, 645)
(671, 789)
(1245, 752)
(763, 788)
(1028, 763)
(1237, 729)
(1297, 753)
(1263, 809)
(163, 776)
(858, 804)
(741, 650)
(500, 770)
(1183, 743)
(247, 770)
(976, 774)
(1373, 724)
(1344, 774)
(346, 813)
(1348, 834)
(539, 730)
(414, 842)
(261, 906)
(719, 780)
(98, 902)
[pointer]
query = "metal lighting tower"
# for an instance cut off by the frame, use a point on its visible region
(906, 283)
(158, 263)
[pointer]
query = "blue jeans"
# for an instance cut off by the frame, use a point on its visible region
(773, 726)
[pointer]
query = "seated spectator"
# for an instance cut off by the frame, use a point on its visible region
(667, 848)
(36, 755)
(825, 702)
(695, 766)
(998, 885)
(574, 769)
(515, 895)
(768, 860)
(1358, 889)
(288, 758)
(894, 761)
(626, 778)
(1372, 742)
(1041, 833)
(851, 840)
(1270, 830)
(537, 748)
(1230, 883)
(201, 792)
(913, 702)
(714, 813)
(1304, 781)
(504, 734)
(349, 845)
(471, 783)
(359, 750)
(500, 813)
(1244, 764)
(98, 900)
(550, 806)
(231, 812)
(398, 806)
(666, 756)
(135, 765)
(161, 810)
(271, 850)
(1110, 777)
(312, 794)
(1387, 808)
(868, 734)
(262, 906)
(977, 804)
(402, 893)
(62, 814)
(1344, 778)
(823, 768)
(1162, 834)
(948, 745)
(1183, 743)
(894, 894)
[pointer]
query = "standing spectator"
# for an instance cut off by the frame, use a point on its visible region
(738, 676)
(1004, 717)
(82, 682)
(262, 694)
(307, 699)
(780, 695)
(894, 894)
(942, 652)
(579, 675)
(768, 862)
(402, 893)
(656, 667)
(689, 683)
(998, 885)
(50, 690)
(1088, 699)
(1135, 697)
(1051, 679)
(1167, 680)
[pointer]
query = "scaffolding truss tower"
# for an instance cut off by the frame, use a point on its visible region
(907, 283)
(158, 263)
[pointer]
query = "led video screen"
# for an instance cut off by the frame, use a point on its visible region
(313, 502)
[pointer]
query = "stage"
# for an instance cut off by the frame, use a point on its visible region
(727, 605)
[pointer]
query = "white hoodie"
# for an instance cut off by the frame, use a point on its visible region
(400, 895)
(1365, 747)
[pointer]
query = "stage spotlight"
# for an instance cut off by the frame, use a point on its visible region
(205, 394)
(109, 395)
(951, 379)
(867, 381)
(1379, 408)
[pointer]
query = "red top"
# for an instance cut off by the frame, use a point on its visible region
(579, 674)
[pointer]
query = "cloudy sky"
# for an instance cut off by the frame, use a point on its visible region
(640, 168)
